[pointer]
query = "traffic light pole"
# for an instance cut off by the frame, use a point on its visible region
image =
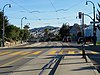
(81, 16)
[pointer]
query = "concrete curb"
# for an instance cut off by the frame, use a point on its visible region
(91, 64)
(13, 46)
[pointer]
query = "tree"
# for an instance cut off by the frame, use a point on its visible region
(1, 22)
(64, 31)
(25, 33)
(46, 32)
(26, 27)
(98, 16)
(12, 32)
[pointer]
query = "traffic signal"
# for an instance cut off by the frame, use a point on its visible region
(80, 15)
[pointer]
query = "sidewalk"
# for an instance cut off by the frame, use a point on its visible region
(93, 48)
(15, 45)
(75, 65)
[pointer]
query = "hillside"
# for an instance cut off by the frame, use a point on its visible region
(43, 28)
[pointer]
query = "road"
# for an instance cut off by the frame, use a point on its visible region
(37, 59)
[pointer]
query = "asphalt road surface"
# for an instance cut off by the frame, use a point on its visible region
(38, 58)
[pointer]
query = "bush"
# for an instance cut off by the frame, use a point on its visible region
(98, 43)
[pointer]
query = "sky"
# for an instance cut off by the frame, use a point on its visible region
(42, 13)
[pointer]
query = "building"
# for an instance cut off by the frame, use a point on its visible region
(89, 32)
(74, 31)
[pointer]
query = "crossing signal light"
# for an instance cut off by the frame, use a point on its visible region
(80, 15)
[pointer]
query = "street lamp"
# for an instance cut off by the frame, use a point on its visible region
(67, 23)
(21, 25)
(3, 25)
(94, 29)
(22, 20)
(27, 23)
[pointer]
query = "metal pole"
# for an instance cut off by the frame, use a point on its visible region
(3, 30)
(21, 26)
(3, 25)
(83, 44)
(94, 28)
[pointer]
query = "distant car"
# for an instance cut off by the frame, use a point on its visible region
(67, 39)
(89, 39)
(80, 40)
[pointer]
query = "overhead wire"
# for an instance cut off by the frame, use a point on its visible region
(43, 19)
(54, 10)
(31, 12)
(23, 8)
(52, 5)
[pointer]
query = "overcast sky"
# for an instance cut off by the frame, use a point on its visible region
(46, 12)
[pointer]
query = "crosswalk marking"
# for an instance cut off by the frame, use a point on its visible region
(71, 52)
(80, 52)
(61, 52)
(37, 52)
(52, 52)
(15, 53)
(24, 53)
(3, 53)
(94, 52)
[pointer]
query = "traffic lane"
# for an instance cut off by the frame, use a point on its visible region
(16, 62)
(4, 54)
(34, 66)
(95, 59)
(10, 57)
(9, 69)
(13, 56)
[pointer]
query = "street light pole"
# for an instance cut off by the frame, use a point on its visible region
(27, 23)
(3, 25)
(21, 25)
(94, 28)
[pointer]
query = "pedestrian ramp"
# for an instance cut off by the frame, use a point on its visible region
(53, 52)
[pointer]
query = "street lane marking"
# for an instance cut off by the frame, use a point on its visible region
(52, 52)
(71, 52)
(94, 52)
(24, 53)
(37, 52)
(81, 52)
(61, 52)
(7, 64)
(15, 53)
(3, 53)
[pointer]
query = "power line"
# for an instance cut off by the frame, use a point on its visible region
(31, 12)
(19, 5)
(54, 9)
(52, 5)
(43, 19)
(23, 7)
